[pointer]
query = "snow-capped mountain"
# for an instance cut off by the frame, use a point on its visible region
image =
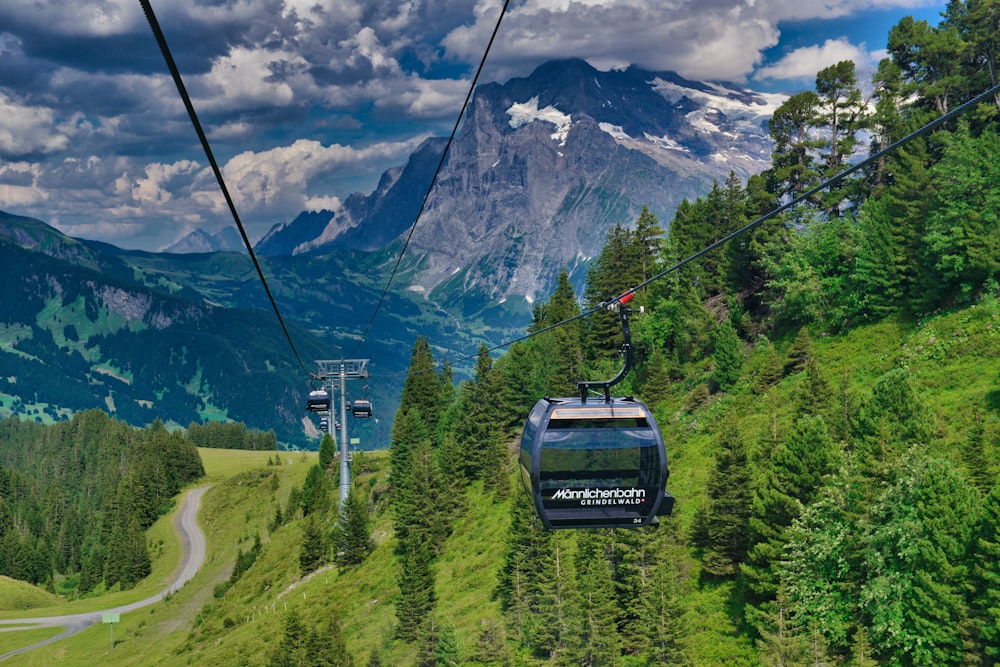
(542, 168)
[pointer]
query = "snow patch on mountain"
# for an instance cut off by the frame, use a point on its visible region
(747, 110)
(526, 112)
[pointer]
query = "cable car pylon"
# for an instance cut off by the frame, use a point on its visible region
(333, 373)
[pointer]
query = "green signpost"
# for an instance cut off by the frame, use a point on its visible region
(111, 617)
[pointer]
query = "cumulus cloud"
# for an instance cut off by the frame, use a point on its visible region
(19, 184)
(25, 129)
(723, 39)
(156, 188)
(805, 62)
(96, 18)
(279, 178)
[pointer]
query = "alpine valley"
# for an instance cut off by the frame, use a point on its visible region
(542, 168)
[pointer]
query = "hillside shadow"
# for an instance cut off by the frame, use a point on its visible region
(993, 400)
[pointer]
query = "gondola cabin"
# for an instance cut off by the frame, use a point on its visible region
(594, 464)
(361, 408)
(318, 401)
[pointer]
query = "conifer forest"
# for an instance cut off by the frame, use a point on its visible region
(843, 512)
(827, 384)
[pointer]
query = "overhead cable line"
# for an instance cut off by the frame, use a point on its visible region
(836, 178)
(437, 172)
(175, 73)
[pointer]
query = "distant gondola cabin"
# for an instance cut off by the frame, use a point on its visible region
(361, 408)
(318, 401)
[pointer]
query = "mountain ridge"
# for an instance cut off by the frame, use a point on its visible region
(515, 201)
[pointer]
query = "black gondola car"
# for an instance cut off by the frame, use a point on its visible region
(318, 401)
(361, 408)
(595, 464)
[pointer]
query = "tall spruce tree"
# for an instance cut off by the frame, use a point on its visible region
(312, 552)
(559, 360)
(797, 468)
(416, 589)
(594, 638)
(724, 521)
(984, 596)
(962, 234)
(327, 451)
(728, 357)
(479, 431)
(891, 419)
(530, 586)
(916, 565)
(353, 534)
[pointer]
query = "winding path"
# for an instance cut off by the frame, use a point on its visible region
(192, 557)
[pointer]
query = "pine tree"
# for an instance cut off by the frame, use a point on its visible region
(985, 594)
(797, 467)
(916, 565)
(886, 124)
(479, 430)
(977, 463)
(800, 352)
(291, 649)
(594, 638)
(765, 366)
(422, 389)
(528, 584)
(746, 273)
(844, 113)
(931, 60)
(491, 645)
(422, 523)
(725, 518)
(962, 235)
(862, 654)
(891, 419)
(793, 128)
(127, 558)
(316, 491)
(783, 641)
(728, 356)
(815, 396)
(312, 553)
(647, 238)
(334, 652)
(656, 383)
(327, 451)
(353, 534)
(446, 651)
(559, 360)
(662, 618)
(416, 588)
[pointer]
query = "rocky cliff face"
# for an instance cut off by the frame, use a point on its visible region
(543, 167)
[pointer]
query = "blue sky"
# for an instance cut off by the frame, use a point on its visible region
(306, 101)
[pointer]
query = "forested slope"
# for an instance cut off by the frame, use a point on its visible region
(829, 388)
(77, 496)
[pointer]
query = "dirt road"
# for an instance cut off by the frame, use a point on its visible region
(192, 557)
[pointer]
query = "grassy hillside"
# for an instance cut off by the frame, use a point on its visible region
(954, 357)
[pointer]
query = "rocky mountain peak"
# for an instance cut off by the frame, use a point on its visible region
(542, 168)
